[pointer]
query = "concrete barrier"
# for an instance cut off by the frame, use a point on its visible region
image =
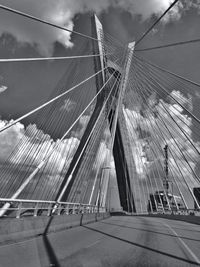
(13, 230)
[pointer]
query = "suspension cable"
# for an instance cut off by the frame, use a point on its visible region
(155, 23)
(168, 45)
(181, 105)
(154, 83)
(23, 14)
(161, 132)
(46, 58)
(169, 72)
(183, 157)
(158, 171)
(47, 103)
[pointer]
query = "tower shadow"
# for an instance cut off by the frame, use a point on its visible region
(53, 260)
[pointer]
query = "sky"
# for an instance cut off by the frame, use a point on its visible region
(125, 19)
(24, 86)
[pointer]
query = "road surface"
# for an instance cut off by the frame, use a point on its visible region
(116, 241)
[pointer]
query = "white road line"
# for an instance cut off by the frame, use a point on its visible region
(93, 244)
(195, 258)
(17, 242)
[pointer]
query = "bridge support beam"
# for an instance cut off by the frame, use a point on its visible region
(99, 64)
(116, 145)
(124, 163)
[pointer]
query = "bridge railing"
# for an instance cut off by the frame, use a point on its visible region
(192, 212)
(23, 207)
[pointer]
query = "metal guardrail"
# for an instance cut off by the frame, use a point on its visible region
(191, 212)
(22, 207)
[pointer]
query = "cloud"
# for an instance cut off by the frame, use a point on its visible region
(147, 8)
(62, 13)
(68, 105)
(9, 138)
(24, 149)
(104, 154)
(185, 101)
(3, 88)
(82, 124)
(38, 34)
(101, 155)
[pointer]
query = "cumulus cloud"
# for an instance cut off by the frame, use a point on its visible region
(39, 35)
(82, 124)
(185, 101)
(3, 88)
(68, 105)
(147, 8)
(28, 146)
(101, 156)
(9, 138)
(62, 12)
(104, 159)
(23, 149)
(36, 146)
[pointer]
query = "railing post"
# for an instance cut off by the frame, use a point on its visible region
(36, 210)
(67, 209)
(93, 209)
(84, 209)
(79, 208)
(19, 210)
(49, 210)
(74, 209)
(59, 208)
(90, 209)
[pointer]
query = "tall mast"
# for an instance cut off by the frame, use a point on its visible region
(166, 177)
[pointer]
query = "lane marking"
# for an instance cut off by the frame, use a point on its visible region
(102, 238)
(19, 242)
(196, 259)
(93, 244)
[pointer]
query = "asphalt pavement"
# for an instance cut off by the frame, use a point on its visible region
(117, 241)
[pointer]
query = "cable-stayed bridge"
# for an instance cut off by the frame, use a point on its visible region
(115, 124)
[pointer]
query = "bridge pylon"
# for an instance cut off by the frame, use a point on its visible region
(118, 145)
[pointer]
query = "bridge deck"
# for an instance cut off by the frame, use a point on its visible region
(116, 241)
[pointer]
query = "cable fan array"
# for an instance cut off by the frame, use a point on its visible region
(158, 110)
(67, 110)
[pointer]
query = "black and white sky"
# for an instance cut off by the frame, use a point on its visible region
(124, 19)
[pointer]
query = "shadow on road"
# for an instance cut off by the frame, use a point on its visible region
(174, 227)
(50, 251)
(142, 246)
(150, 231)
